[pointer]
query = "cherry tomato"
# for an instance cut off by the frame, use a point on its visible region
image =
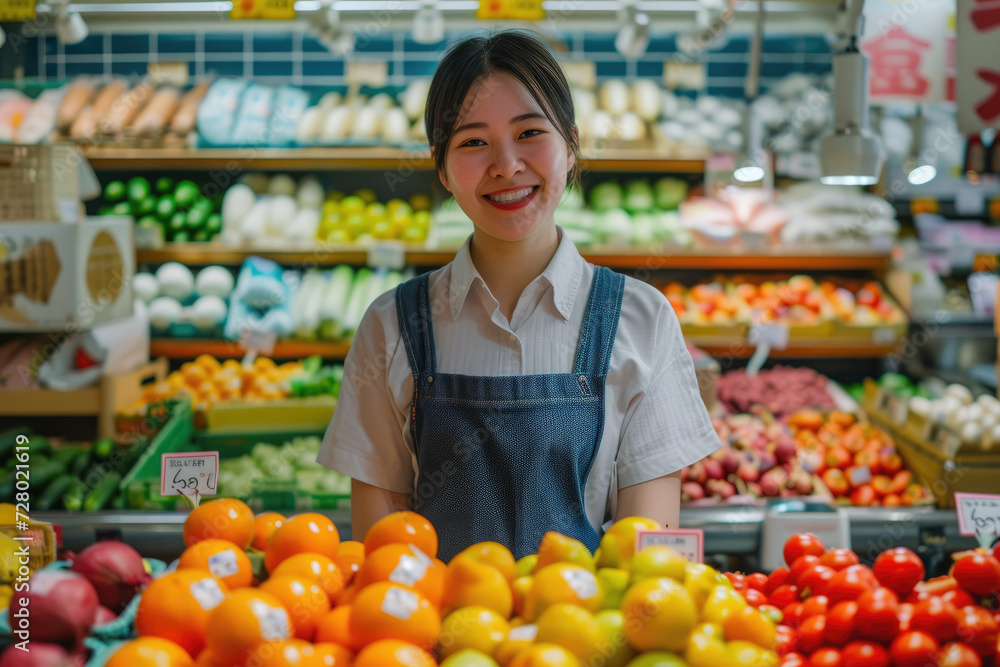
(793, 660)
(800, 545)
(877, 615)
(978, 629)
(913, 649)
(816, 580)
(841, 623)
(826, 657)
(817, 604)
(799, 567)
(792, 614)
(777, 578)
(811, 633)
(754, 597)
(757, 581)
(935, 617)
(978, 573)
(957, 654)
(772, 612)
(899, 570)
(739, 581)
(839, 559)
(785, 595)
(959, 598)
(905, 615)
(786, 639)
(865, 654)
(850, 583)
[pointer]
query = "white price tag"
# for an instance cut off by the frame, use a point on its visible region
(387, 255)
(373, 74)
(774, 336)
(979, 515)
(581, 74)
(257, 342)
(689, 543)
(194, 473)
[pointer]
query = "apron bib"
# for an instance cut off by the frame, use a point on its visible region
(506, 458)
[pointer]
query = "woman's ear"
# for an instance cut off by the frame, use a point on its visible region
(440, 172)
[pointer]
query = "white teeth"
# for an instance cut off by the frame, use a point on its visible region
(512, 196)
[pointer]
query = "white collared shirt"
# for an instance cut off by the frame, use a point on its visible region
(655, 421)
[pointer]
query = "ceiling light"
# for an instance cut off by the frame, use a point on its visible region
(751, 162)
(916, 167)
(633, 37)
(428, 23)
(3, 37)
(70, 26)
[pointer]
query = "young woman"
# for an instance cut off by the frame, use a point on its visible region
(518, 389)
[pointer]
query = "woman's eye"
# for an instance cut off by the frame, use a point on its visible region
(532, 133)
(472, 142)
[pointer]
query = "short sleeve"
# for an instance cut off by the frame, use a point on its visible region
(668, 427)
(365, 439)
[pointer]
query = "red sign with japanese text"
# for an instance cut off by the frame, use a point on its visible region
(978, 79)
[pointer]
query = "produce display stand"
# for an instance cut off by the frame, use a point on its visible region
(102, 402)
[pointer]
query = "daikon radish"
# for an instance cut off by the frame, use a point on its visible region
(155, 116)
(84, 125)
(109, 93)
(80, 92)
(187, 113)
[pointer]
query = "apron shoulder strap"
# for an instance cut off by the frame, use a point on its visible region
(414, 314)
(600, 322)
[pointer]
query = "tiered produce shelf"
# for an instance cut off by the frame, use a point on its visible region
(189, 348)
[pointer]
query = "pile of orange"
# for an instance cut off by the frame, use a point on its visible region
(390, 602)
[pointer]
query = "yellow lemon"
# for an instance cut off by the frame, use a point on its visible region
(659, 615)
(526, 565)
(618, 543)
(478, 628)
(545, 655)
(657, 561)
(573, 628)
(517, 640)
(563, 582)
(614, 646)
(557, 548)
(469, 658)
(492, 553)
(470, 583)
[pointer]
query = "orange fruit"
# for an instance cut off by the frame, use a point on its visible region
(476, 628)
(328, 654)
(545, 655)
(305, 533)
(350, 556)
(150, 652)
(347, 597)
(283, 653)
(224, 519)
(659, 614)
(222, 559)
(492, 553)
(245, 620)
(558, 548)
(518, 639)
(392, 611)
(393, 653)
(304, 600)
(207, 659)
(618, 543)
(335, 627)
(405, 564)
(471, 583)
(263, 526)
(403, 528)
(563, 582)
(313, 567)
(177, 607)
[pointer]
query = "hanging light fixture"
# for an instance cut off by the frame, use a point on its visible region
(751, 161)
(70, 26)
(633, 37)
(428, 23)
(331, 32)
(853, 155)
(918, 170)
(3, 37)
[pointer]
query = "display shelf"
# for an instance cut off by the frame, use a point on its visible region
(730, 258)
(189, 348)
(818, 348)
(349, 157)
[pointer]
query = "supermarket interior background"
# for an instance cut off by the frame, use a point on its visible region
(200, 199)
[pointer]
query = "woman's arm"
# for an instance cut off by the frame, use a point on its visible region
(371, 503)
(658, 499)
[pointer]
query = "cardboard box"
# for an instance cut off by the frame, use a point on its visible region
(65, 277)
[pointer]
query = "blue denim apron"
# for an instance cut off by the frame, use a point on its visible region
(506, 458)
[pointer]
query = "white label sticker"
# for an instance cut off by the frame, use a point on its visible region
(223, 564)
(581, 582)
(273, 620)
(410, 569)
(387, 255)
(523, 633)
(207, 594)
(400, 603)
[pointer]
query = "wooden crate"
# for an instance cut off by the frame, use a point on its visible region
(114, 393)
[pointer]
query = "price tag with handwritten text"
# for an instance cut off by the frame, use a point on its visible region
(689, 543)
(189, 474)
(979, 515)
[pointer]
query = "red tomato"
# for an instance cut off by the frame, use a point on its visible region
(757, 581)
(739, 581)
(850, 583)
(957, 654)
(816, 580)
(865, 654)
(826, 657)
(959, 598)
(792, 614)
(786, 639)
(978, 629)
(841, 623)
(935, 617)
(801, 564)
(905, 616)
(772, 613)
(777, 578)
(978, 573)
(793, 660)
(800, 545)
(914, 649)
(785, 595)
(863, 495)
(811, 633)
(754, 597)
(815, 605)
(899, 570)
(839, 559)
(877, 617)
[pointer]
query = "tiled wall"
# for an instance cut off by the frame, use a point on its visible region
(300, 59)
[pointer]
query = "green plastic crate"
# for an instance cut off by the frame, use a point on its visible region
(141, 486)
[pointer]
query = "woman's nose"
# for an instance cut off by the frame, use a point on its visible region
(506, 161)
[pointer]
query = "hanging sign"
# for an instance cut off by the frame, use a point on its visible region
(17, 10)
(907, 49)
(268, 10)
(516, 10)
(978, 70)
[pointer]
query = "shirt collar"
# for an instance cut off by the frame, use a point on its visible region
(563, 273)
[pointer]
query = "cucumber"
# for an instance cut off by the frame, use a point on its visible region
(74, 497)
(138, 189)
(54, 492)
(114, 191)
(67, 455)
(42, 474)
(79, 464)
(102, 493)
(8, 440)
(40, 446)
(102, 448)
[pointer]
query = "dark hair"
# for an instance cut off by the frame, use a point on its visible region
(475, 59)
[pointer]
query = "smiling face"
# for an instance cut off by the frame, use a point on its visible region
(506, 163)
